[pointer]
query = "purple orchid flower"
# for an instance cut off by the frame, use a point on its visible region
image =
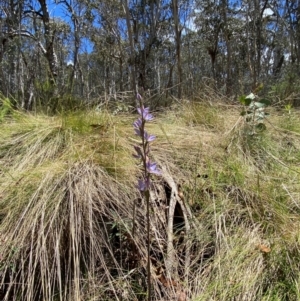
(149, 138)
(142, 152)
(139, 152)
(139, 97)
(152, 168)
(143, 185)
(138, 123)
(144, 112)
(138, 132)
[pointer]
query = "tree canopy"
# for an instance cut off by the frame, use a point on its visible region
(93, 49)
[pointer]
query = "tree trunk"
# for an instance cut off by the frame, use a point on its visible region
(49, 50)
(178, 46)
(132, 56)
(228, 46)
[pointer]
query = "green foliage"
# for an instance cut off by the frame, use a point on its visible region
(5, 108)
(64, 103)
(51, 103)
(288, 108)
(254, 113)
(121, 108)
(290, 120)
(197, 113)
(287, 89)
(232, 173)
(44, 92)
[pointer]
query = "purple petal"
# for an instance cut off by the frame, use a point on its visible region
(152, 168)
(138, 123)
(148, 117)
(144, 112)
(148, 137)
(139, 97)
(138, 132)
(143, 185)
(139, 153)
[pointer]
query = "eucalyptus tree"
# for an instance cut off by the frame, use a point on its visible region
(128, 39)
(26, 24)
(292, 18)
(180, 13)
(208, 22)
(10, 51)
(146, 16)
(75, 10)
(178, 32)
(109, 53)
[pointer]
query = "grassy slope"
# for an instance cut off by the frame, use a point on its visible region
(67, 200)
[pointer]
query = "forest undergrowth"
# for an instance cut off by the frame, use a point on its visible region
(73, 226)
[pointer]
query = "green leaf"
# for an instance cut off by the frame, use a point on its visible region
(251, 96)
(261, 127)
(244, 100)
(261, 115)
(248, 101)
(252, 106)
(265, 101)
(259, 104)
(243, 113)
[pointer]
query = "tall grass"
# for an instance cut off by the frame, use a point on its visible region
(72, 224)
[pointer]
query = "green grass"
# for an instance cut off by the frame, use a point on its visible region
(68, 203)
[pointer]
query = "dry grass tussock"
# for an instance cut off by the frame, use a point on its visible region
(225, 213)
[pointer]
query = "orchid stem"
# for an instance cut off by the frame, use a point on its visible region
(147, 196)
(149, 167)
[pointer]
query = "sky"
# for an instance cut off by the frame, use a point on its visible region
(59, 11)
(56, 10)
